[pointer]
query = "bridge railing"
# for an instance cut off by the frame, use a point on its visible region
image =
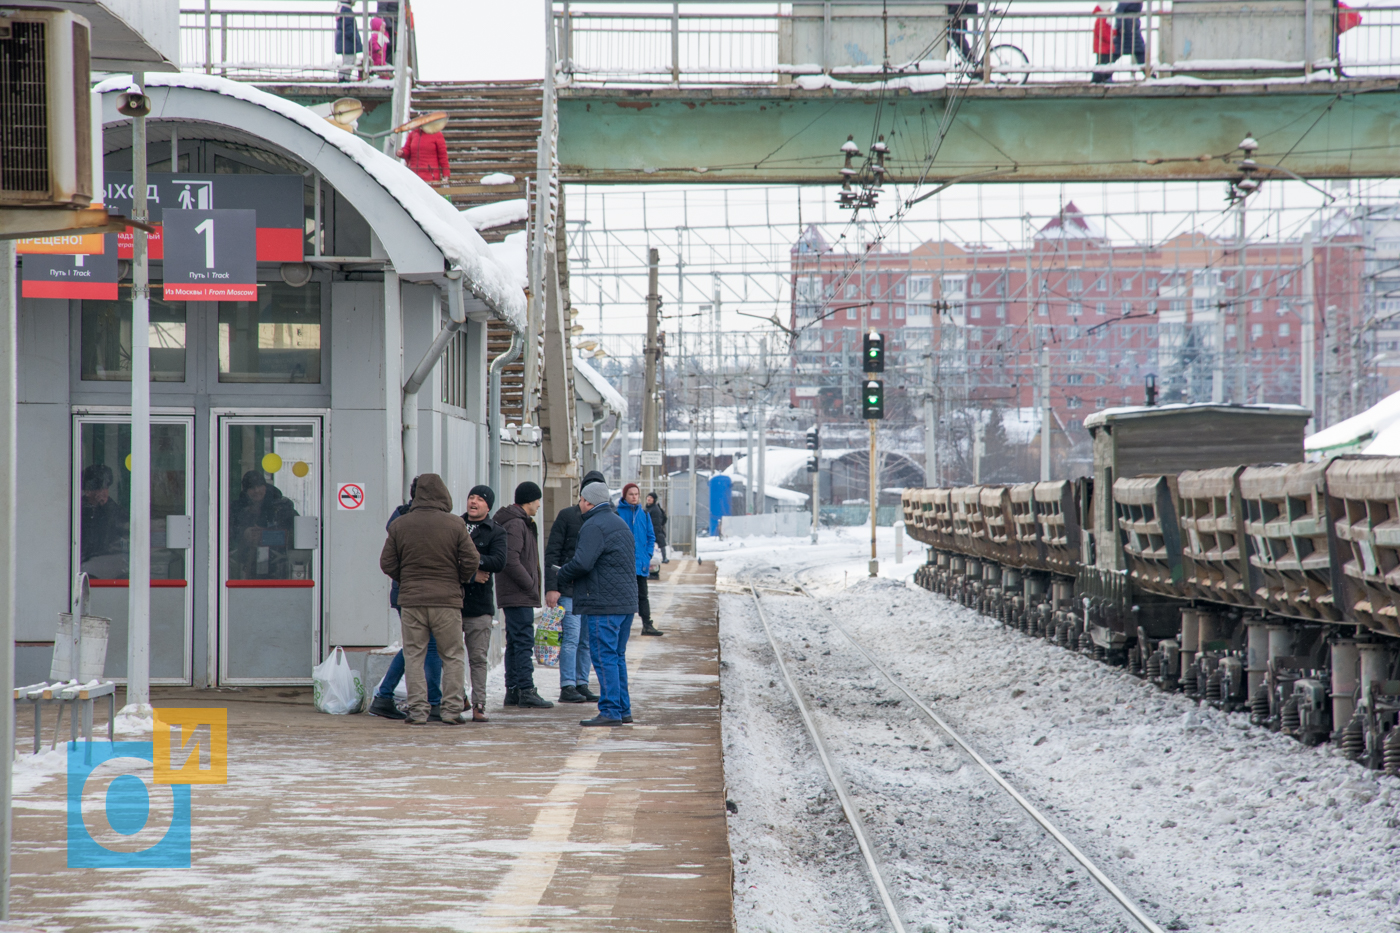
(820, 43)
(293, 45)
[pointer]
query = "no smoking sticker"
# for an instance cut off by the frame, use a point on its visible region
(350, 497)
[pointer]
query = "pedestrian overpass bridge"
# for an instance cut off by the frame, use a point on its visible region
(1006, 95)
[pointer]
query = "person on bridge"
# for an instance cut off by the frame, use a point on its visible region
(518, 592)
(1127, 32)
(479, 599)
(575, 659)
(425, 151)
(658, 523)
(603, 574)
(431, 555)
(1103, 47)
(639, 522)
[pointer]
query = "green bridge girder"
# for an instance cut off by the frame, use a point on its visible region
(1147, 132)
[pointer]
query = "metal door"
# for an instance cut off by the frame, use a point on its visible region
(101, 541)
(269, 508)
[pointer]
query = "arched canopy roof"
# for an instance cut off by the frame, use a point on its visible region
(423, 235)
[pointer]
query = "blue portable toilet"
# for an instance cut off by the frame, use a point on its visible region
(720, 486)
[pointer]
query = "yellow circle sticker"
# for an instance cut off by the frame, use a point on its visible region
(300, 468)
(271, 463)
(128, 463)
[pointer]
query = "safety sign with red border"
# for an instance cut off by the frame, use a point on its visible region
(350, 497)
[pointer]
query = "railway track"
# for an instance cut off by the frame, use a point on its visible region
(885, 883)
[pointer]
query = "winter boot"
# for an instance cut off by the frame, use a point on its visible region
(531, 699)
(570, 694)
(649, 629)
(435, 713)
(384, 706)
(479, 714)
(588, 695)
(512, 696)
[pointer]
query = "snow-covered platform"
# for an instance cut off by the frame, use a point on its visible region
(353, 822)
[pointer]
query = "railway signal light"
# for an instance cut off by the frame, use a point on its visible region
(872, 400)
(814, 438)
(874, 352)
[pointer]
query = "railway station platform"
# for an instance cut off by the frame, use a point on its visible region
(528, 822)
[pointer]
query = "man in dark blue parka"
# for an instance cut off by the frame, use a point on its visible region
(604, 576)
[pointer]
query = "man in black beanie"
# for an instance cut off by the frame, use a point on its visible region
(478, 601)
(575, 661)
(518, 592)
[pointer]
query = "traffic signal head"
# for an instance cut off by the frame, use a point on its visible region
(874, 353)
(814, 439)
(872, 400)
(812, 466)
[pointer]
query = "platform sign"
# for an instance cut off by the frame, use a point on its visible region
(78, 275)
(279, 201)
(350, 497)
(651, 458)
(62, 244)
(211, 256)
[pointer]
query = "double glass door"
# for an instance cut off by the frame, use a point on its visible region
(270, 486)
(101, 536)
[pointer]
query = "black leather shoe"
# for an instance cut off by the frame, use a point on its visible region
(600, 721)
(385, 708)
(588, 695)
(533, 700)
(512, 697)
(649, 629)
(627, 719)
(435, 713)
(570, 694)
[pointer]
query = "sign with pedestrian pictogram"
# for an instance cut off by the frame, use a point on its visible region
(278, 200)
(350, 497)
(211, 255)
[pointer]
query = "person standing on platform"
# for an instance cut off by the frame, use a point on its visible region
(430, 554)
(518, 592)
(644, 536)
(479, 601)
(658, 523)
(575, 659)
(604, 579)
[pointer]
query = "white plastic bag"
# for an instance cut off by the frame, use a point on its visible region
(337, 688)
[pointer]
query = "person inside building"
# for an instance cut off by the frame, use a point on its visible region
(479, 602)
(518, 592)
(431, 555)
(658, 523)
(603, 575)
(425, 151)
(103, 525)
(644, 539)
(260, 530)
(575, 660)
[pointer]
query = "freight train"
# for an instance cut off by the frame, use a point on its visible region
(1205, 555)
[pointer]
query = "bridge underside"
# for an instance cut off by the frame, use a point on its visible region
(1318, 129)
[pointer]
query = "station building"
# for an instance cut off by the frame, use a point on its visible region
(278, 443)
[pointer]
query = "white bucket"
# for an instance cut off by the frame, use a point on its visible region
(94, 648)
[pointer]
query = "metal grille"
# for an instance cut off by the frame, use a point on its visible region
(24, 130)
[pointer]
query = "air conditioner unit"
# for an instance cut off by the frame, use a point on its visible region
(45, 109)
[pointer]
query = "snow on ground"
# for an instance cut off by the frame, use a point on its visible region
(1212, 824)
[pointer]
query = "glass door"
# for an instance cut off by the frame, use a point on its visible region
(269, 543)
(101, 536)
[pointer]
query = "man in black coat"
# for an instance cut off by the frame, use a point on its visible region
(479, 596)
(658, 524)
(604, 574)
(575, 660)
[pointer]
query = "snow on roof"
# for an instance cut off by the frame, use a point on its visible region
(1351, 435)
(497, 213)
(780, 465)
(512, 254)
(600, 383)
(459, 243)
(1386, 444)
(1099, 418)
(1070, 224)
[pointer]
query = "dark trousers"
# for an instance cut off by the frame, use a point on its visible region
(1128, 39)
(520, 648)
(1101, 77)
(643, 603)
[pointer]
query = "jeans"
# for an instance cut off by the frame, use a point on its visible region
(520, 648)
(443, 623)
(575, 659)
(608, 638)
(432, 666)
(643, 600)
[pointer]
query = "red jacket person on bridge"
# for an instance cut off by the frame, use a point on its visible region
(425, 151)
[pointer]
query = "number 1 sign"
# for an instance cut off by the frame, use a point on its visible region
(211, 255)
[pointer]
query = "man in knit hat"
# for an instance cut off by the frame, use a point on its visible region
(479, 603)
(575, 661)
(603, 574)
(518, 592)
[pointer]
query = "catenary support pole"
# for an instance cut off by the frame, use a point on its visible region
(1308, 375)
(694, 473)
(1047, 414)
(761, 489)
(9, 411)
(138, 645)
(649, 431)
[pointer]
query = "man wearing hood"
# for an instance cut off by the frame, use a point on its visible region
(631, 510)
(574, 659)
(431, 555)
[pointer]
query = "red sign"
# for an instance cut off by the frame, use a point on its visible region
(350, 496)
(91, 276)
(274, 245)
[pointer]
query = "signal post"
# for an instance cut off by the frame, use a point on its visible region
(873, 408)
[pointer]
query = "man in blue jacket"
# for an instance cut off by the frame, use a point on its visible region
(603, 574)
(637, 519)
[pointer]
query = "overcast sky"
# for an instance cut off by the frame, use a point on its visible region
(467, 40)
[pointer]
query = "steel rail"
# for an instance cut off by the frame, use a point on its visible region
(834, 774)
(1113, 890)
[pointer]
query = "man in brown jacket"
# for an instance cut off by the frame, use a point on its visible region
(518, 594)
(430, 554)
